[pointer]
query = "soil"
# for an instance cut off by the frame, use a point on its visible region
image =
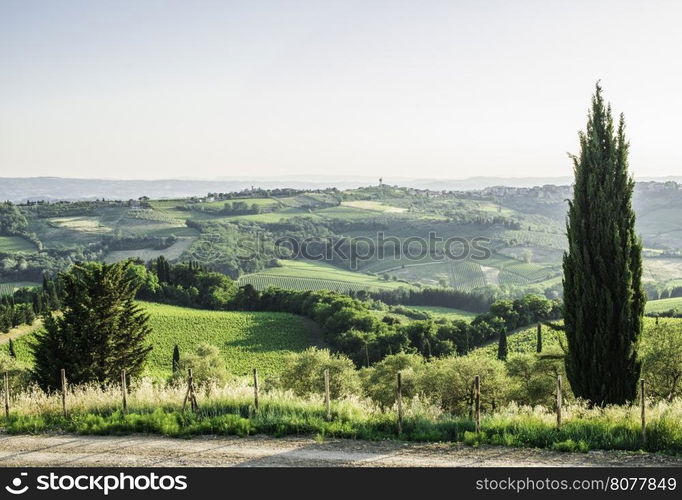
(257, 451)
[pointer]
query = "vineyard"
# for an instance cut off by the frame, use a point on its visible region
(301, 275)
(466, 276)
(246, 340)
(10, 287)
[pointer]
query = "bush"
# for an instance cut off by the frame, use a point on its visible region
(448, 382)
(662, 362)
(19, 374)
(533, 378)
(380, 381)
(207, 365)
(304, 373)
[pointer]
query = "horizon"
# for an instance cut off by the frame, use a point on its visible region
(156, 89)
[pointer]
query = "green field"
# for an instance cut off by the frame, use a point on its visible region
(525, 340)
(305, 275)
(446, 312)
(9, 244)
(9, 287)
(664, 305)
(247, 340)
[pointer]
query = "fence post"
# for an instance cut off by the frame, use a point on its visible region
(558, 401)
(255, 388)
(190, 393)
(63, 379)
(6, 394)
(124, 390)
(643, 404)
(400, 403)
(327, 398)
(477, 402)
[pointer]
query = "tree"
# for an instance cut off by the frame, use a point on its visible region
(538, 346)
(603, 295)
(176, 358)
(502, 348)
(662, 362)
(101, 330)
(12, 352)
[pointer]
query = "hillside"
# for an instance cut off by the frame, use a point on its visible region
(246, 340)
(507, 241)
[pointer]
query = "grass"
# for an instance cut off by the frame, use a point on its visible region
(228, 410)
(10, 244)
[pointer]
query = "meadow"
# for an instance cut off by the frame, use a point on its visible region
(10, 244)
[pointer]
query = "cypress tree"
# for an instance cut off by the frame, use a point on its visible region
(502, 348)
(12, 352)
(538, 347)
(100, 330)
(603, 296)
(176, 358)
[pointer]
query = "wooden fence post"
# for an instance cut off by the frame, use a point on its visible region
(477, 402)
(255, 388)
(643, 404)
(400, 403)
(190, 393)
(327, 398)
(6, 394)
(63, 379)
(558, 401)
(124, 390)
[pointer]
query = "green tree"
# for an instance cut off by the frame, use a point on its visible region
(538, 346)
(100, 330)
(603, 296)
(176, 358)
(502, 347)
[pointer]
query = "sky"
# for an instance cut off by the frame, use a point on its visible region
(452, 89)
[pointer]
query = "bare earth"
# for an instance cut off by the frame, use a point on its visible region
(258, 451)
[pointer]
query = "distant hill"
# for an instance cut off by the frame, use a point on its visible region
(21, 189)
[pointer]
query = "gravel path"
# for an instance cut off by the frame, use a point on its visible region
(254, 451)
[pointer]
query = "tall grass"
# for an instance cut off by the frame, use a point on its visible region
(228, 410)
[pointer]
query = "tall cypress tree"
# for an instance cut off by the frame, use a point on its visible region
(603, 296)
(101, 329)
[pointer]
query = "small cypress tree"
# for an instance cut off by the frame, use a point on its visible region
(603, 295)
(538, 347)
(12, 353)
(502, 348)
(101, 330)
(176, 358)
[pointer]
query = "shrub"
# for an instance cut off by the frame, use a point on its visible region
(380, 381)
(533, 378)
(448, 382)
(304, 373)
(662, 362)
(207, 365)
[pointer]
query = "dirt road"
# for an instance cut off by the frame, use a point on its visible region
(255, 451)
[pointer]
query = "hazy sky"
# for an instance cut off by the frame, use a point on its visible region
(452, 89)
